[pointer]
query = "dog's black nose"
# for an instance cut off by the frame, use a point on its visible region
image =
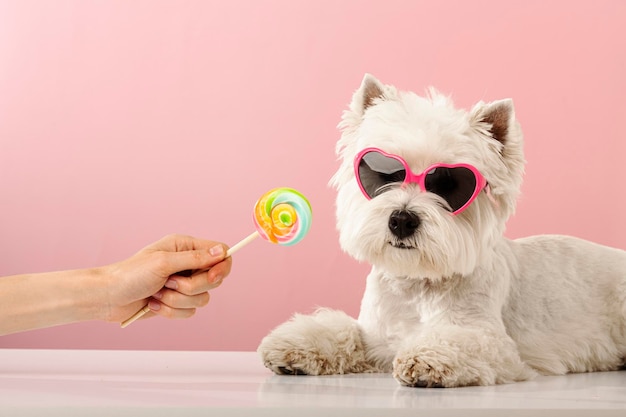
(403, 223)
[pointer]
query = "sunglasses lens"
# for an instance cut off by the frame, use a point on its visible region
(456, 185)
(377, 171)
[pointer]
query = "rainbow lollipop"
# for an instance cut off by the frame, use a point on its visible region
(281, 216)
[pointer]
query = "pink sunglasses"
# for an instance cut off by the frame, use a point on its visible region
(458, 184)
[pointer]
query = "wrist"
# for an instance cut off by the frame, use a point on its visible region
(97, 303)
(82, 294)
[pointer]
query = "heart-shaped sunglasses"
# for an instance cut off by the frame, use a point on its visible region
(458, 184)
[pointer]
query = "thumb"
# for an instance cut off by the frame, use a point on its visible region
(194, 259)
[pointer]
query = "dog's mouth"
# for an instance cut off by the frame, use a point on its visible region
(401, 245)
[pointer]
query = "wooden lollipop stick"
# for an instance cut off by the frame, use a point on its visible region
(135, 316)
(229, 253)
(242, 243)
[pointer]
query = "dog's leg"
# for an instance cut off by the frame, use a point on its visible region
(327, 342)
(452, 356)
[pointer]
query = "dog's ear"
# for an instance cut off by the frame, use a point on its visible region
(370, 90)
(497, 117)
(496, 122)
(370, 93)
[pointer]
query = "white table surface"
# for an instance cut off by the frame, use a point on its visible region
(167, 383)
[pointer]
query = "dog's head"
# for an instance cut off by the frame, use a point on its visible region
(443, 214)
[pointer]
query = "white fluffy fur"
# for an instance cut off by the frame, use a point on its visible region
(464, 306)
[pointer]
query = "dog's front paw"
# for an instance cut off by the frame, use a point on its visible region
(294, 361)
(414, 371)
(463, 357)
(325, 343)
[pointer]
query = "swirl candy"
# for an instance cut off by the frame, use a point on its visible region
(282, 216)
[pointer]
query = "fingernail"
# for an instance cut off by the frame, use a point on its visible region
(171, 284)
(216, 278)
(158, 295)
(154, 305)
(217, 250)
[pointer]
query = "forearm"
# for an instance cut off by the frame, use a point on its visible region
(33, 301)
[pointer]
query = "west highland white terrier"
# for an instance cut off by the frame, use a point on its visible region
(424, 191)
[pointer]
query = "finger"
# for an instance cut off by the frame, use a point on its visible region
(174, 299)
(173, 262)
(180, 243)
(164, 310)
(221, 270)
(199, 282)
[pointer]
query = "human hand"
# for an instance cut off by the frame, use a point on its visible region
(172, 276)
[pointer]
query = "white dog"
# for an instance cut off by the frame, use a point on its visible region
(424, 191)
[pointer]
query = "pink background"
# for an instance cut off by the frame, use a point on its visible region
(123, 121)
